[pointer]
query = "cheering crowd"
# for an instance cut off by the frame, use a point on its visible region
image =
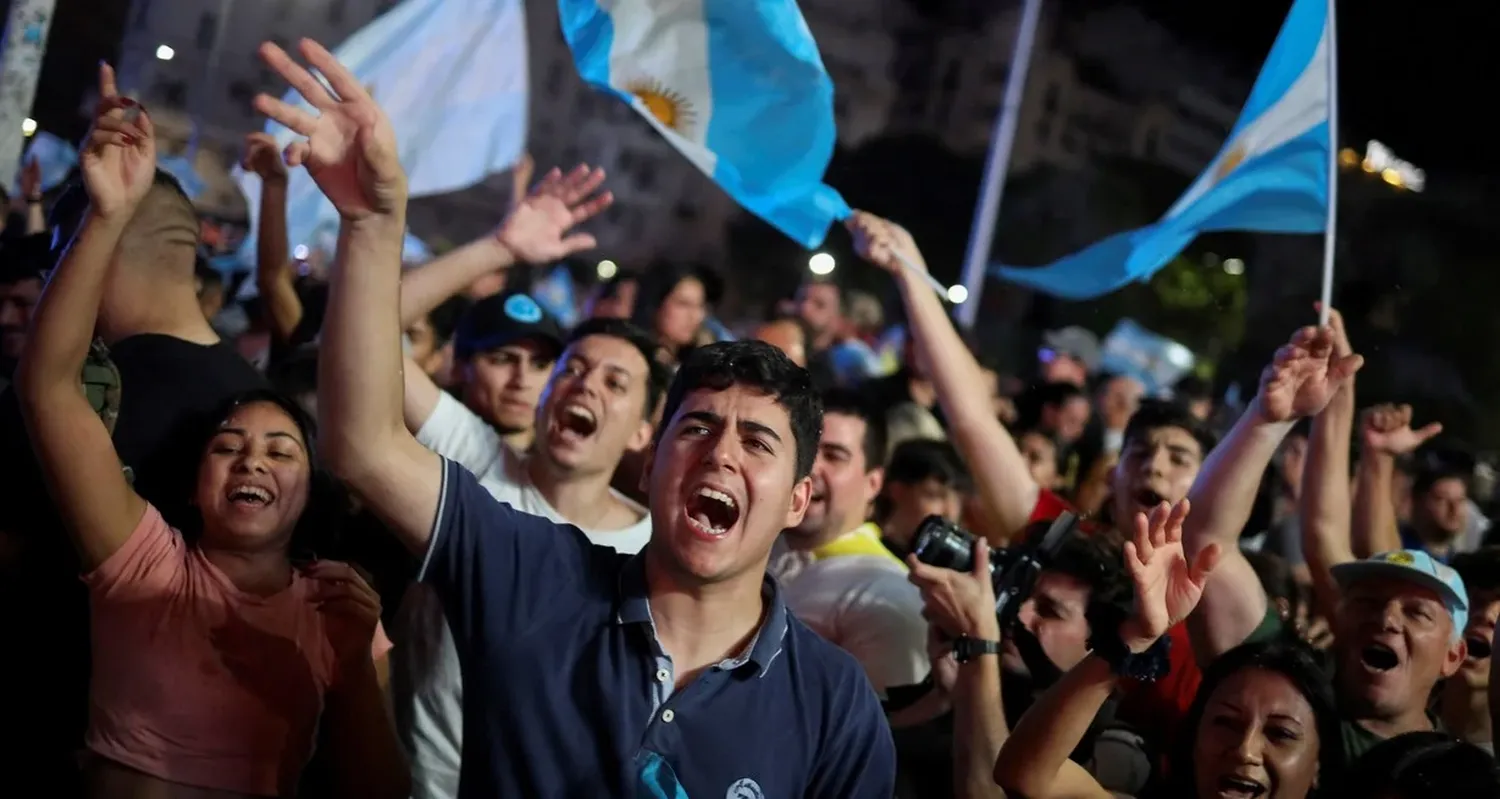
(409, 537)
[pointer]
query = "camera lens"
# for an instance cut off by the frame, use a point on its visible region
(941, 543)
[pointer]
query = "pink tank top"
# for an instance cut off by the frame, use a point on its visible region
(197, 682)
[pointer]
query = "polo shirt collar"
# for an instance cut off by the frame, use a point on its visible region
(634, 607)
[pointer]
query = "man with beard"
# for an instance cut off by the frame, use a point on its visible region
(677, 671)
(838, 576)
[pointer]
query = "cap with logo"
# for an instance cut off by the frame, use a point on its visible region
(1413, 566)
(1075, 342)
(502, 319)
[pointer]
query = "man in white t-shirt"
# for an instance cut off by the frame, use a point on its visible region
(837, 575)
(595, 408)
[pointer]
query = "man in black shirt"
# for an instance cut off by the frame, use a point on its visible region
(174, 373)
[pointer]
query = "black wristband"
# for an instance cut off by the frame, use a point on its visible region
(966, 649)
(1148, 666)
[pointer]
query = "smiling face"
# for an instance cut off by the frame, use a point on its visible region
(1395, 641)
(594, 408)
(253, 480)
(723, 484)
(1258, 740)
(843, 483)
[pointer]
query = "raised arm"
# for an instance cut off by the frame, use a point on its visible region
(1000, 474)
(1324, 507)
(1034, 761)
(1300, 381)
(1386, 434)
(350, 152)
(280, 304)
(536, 231)
(77, 456)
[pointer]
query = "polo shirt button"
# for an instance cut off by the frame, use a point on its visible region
(662, 675)
(667, 715)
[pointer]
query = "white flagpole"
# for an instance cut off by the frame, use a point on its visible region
(997, 165)
(1330, 241)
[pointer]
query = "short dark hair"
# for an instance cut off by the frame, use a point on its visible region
(1421, 764)
(828, 280)
(1192, 388)
(444, 318)
(918, 460)
(1479, 569)
(1156, 414)
(656, 373)
(757, 365)
(1097, 562)
(1431, 473)
(848, 402)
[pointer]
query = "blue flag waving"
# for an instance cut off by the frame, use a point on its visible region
(1270, 176)
(737, 86)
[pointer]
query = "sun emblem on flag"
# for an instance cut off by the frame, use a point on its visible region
(1231, 162)
(671, 108)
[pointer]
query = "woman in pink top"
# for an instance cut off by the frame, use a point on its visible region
(217, 663)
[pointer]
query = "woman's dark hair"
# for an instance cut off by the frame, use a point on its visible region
(759, 366)
(658, 282)
(1425, 765)
(316, 532)
(1299, 664)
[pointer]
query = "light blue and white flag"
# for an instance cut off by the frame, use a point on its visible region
(452, 77)
(1271, 175)
(737, 86)
(181, 167)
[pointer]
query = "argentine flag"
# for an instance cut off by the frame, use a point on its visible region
(1270, 176)
(452, 77)
(737, 86)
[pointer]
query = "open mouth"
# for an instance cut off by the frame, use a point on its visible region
(1479, 649)
(1147, 498)
(249, 496)
(578, 420)
(1379, 657)
(1236, 786)
(712, 512)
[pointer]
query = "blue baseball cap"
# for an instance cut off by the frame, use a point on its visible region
(502, 319)
(1413, 566)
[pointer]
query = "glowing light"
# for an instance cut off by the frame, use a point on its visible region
(300, 252)
(607, 269)
(821, 263)
(1234, 266)
(957, 294)
(28, 126)
(165, 53)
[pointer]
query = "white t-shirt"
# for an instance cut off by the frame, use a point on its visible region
(427, 690)
(861, 602)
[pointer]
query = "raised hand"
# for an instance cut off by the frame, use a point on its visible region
(1304, 375)
(350, 608)
(958, 603)
(878, 241)
(263, 158)
(1387, 429)
(350, 149)
(31, 179)
(1167, 586)
(536, 231)
(118, 157)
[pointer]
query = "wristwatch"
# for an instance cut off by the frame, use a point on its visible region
(1148, 666)
(966, 649)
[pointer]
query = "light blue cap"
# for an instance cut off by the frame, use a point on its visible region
(1414, 566)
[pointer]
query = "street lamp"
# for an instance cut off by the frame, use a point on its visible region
(1234, 266)
(821, 263)
(165, 53)
(607, 269)
(957, 293)
(28, 126)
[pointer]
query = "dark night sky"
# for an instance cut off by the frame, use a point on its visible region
(1414, 75)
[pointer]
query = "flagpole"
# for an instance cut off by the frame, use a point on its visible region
(1330, 241)
(997, 165)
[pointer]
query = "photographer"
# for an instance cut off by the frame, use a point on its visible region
(992, 674)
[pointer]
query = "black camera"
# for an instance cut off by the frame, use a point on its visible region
(1013, 570)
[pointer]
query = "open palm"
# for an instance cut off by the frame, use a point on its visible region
(118, 158)
(1304, 376)
(1387, 429)
(1167, 585)
(350, 147)
(536, 230)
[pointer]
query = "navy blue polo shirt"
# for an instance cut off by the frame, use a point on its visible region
(567, 692)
